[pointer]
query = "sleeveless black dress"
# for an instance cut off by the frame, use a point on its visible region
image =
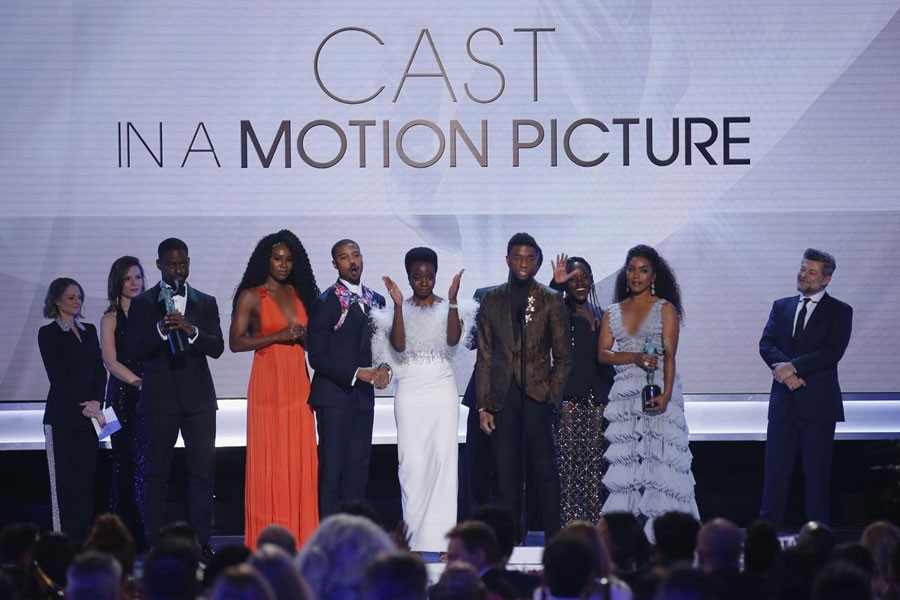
(129, 452)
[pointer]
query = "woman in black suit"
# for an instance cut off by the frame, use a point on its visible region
(71, 353)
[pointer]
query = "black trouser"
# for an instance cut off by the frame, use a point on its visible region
(72, 462)
(199, 433)
(345, 449)
(478, 459)
(526, 426)
(814, 442)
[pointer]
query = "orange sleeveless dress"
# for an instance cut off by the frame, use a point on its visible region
(282, 465)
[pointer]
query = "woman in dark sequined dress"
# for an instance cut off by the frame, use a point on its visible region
(126, 281)
(579, 424)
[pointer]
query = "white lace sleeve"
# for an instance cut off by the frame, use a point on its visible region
(382, 351)
(467, 310)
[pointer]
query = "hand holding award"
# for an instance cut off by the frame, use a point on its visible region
(651, 391)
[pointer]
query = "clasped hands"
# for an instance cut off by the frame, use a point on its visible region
(92, 409)
(785, 373)
(296, 332)
(379, 376)
(173, 321)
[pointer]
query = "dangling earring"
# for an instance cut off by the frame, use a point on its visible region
(652, 288)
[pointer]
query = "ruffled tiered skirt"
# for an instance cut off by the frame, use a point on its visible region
(649, 460)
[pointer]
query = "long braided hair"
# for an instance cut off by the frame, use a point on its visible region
(301, 276)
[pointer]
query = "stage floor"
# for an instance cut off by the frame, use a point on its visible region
(728, 474)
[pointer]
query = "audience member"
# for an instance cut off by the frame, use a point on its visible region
(684, 583)
(278, 536)
(646, 583)
(719, 555)
(111, 536)
(817, 540)
(334, 559)
(170, 572)
(17, 543)
(504, 526)
(277, 566)
(627, 544)
(94, 576)
(180, 530)
(474, 542)
(568, 572)
(231, 555)
(242, 582)
(459, 581)
(840, 580)
(762, 548)
(857, 555)
(604, 582)
(794, 577)
(396, 575)
(676, 538)
(883, 540)
(53, 555)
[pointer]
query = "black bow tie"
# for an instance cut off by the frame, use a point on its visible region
(180, 291)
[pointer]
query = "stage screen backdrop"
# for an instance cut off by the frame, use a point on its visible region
(729, 135)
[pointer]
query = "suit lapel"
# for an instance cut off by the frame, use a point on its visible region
(157, 303)
(820, 313)
(505, 322)
(788, 318)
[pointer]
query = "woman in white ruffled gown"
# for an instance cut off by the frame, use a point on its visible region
(418, 338)
(649, 460)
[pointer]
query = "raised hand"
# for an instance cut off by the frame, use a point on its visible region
(393, 290)
(400, 535)
(454, 286)
(559, 269)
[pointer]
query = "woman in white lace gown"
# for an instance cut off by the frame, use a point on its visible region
(418, 338)
(649, 459)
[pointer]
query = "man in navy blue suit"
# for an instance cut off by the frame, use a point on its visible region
(342, 392)
(802, 343)
(177, 392)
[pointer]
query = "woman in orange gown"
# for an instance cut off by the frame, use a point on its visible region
(269, 317)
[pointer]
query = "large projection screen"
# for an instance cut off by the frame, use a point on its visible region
(729, 135)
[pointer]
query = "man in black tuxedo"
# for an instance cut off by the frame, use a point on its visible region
(804, 339)
(177, 391)
(342, 391)
(519, 324)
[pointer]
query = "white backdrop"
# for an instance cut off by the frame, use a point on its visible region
(801, 96)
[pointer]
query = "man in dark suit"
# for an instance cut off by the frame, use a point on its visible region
(802, 343)
(476, 469)
(519, 323)
(177, 391)
(342, 391)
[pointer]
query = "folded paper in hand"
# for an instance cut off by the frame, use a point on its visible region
(112, 424)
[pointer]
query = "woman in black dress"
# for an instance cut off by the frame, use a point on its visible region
(71, 354)
(126, 281)
(579, 423)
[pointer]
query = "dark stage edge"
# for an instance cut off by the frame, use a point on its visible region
(865, 485)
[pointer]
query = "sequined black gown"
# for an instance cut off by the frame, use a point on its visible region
(129, 454)
(579, 428)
